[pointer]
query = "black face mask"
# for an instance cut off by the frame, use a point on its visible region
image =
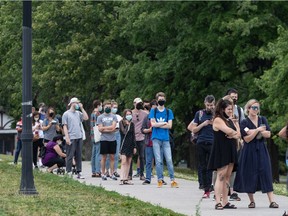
(139, 106)
(147, 107)
(161, 102)
(51, 114)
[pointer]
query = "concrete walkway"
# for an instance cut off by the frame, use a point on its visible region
(187, 198)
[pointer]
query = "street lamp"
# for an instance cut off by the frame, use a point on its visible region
(27, 181)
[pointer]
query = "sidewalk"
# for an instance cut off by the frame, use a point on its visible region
(187, 198)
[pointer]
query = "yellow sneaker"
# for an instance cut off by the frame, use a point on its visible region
(160, 183)
(174, 184)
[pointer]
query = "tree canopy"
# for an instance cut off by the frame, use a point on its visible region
(123, 50)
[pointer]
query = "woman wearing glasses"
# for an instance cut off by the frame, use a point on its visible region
(254, 170)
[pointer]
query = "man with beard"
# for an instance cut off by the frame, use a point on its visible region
(202, 126)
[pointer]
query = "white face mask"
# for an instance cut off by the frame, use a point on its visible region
(59, 142)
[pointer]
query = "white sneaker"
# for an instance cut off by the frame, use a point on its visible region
(80, 176)
(69, 174)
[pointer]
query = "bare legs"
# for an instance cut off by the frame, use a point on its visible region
(125, 166)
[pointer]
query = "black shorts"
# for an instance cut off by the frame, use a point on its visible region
(108, 147)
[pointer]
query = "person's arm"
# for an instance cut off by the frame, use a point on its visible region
(85, 115)
(66, 134)
(283, 133)
(219, 124)
(190, 126)
(145, 126)
(59, 151)
(46, 127)
(168, 125)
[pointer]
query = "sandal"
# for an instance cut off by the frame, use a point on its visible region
(219, 206)
(229, 206)
(121, 182)
(273, 205)
(252, 205)
(126, 182)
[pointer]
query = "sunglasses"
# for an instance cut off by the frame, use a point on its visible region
(254, 107)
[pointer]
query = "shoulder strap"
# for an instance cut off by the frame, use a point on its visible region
(239, 112)
(155, 110)
(167, 114)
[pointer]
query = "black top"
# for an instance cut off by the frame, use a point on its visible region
(128, 141)
(224, 150)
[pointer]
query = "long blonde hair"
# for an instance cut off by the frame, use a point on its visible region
(249, 104)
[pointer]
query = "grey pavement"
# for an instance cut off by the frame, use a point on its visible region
(187, 198)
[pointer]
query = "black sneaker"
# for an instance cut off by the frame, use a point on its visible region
(234, 197)
(136, 175)
(116, 174)
(146, 182)
(163, 182)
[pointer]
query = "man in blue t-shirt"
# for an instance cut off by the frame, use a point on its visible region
(202, 126)
(161, 121)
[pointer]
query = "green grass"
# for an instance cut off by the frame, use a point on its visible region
(65, 196)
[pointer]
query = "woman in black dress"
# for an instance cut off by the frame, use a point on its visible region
(128, 145)
(224, 151)
(254, 169)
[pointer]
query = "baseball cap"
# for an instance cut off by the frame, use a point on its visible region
(138, 100)
(74, 100)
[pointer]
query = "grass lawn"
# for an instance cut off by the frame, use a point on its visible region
(64, 196)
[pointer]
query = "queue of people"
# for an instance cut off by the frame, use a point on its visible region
(232, 154)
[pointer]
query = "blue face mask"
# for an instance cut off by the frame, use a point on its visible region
(77, 106)
(100, 108)
(129, 117)
(114, 110)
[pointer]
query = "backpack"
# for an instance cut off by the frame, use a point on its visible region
(194, 136)
(171, 138)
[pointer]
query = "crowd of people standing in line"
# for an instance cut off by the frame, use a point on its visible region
(231, 149)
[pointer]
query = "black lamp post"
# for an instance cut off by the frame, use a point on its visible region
(27, 180)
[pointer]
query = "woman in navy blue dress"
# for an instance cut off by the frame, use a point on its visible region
(254, 168)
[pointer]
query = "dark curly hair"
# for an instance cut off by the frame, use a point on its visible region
(221, 105)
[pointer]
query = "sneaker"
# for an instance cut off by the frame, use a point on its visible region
(174, 184)
(80, 176)
(113, 177)
(160, 184)
(36, 167)
(116, 174)
(142, 178)
(163, 182)
(104, 178)
(146, 182)
(234, 197)
(69, 174)
(136, 175)
(206, 195)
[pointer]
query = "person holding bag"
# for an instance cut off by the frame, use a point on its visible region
(128, 145)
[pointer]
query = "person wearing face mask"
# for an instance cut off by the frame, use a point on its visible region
(95, 157)
(128, 145)
(224, 151)
(50, 125)
(114, 110)
(202, 126)
(72, 126)
(238, 111)
(38, 136)
(139, 115)
(54, 157)
(107, 124)
(254, 171)
(161, 122)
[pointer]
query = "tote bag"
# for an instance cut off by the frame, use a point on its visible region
(97, 134)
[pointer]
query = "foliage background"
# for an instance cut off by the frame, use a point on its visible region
(123, 50)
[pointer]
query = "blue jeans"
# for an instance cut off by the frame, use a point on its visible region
(158, 147)
(96, 158)
(149, 160)
(18, 150)
(116, 157)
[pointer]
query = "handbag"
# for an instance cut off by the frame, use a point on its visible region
(97, 134)
(83, 132)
